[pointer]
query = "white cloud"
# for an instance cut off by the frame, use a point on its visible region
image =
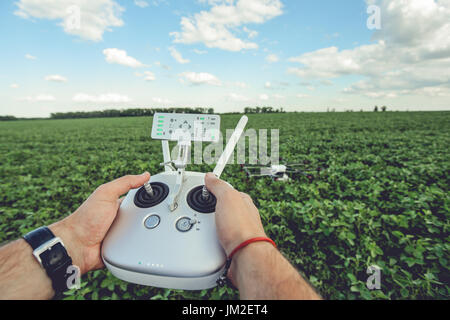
(55, 78)
(200, 78)
(216, 2)
(162, 101)
(251, 33)
(200, 51)
(264, 97)
(214, 28)
(102, 98)
(39, 98)
(141, 3)
(302, 95)
(117, 56)
(30, 57)
(177, 56)
(14, 86)
(279, 96)
(267, 85)
(159, 64)
(240, 84)
(411, 54)
(149, 76)
(237, 97)
(272, 58)
(326, 82)
(85, 19)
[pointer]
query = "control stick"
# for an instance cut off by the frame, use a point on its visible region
(149, 189)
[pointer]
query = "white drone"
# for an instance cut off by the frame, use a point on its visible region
(280, 172)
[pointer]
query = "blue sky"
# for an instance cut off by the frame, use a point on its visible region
(226, 54)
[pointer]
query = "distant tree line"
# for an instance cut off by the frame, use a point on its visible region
(142, 112)
(7, 118)
(136, 112)
(248, 110)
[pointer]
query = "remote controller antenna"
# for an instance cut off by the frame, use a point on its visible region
(229, 148)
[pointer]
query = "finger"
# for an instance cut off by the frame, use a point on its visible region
(118, 187)
(216, 186)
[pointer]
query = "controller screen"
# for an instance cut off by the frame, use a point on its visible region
(193, 127)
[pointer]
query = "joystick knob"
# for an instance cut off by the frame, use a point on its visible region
(149, 189)
(151, 194)
(205, 193)
(197, 200)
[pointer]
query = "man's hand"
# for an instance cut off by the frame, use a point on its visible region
(83, 231)
(258, 270)
(21, 276)
(237, 218)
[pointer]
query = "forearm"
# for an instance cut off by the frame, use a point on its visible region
(261, 272)
(21, 276)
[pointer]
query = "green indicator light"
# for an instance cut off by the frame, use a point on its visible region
(161, 121)
(161, 117)
(140, 262)
(159, 134)
(160, 125)
(160, 129)
(202, 118)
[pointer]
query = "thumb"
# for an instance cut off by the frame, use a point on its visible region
(216, 186)
(114, 189)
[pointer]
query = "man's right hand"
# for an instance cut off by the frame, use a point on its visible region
(258, 270)
(237, 218)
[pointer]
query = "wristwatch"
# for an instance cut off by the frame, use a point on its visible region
(51, 254)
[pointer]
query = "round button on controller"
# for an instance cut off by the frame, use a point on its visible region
(152, 221)
(184, 224)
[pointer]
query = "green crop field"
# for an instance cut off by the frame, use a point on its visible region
(381, 198)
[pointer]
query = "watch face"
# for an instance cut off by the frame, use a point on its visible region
(53, 256)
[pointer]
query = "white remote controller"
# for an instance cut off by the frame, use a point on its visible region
(164, 234)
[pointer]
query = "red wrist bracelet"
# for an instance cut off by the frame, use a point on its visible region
(223, 279)
(247, 242)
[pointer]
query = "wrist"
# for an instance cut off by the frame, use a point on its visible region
(259, 248)
(254, 252)
(65, 232)
(237, 240)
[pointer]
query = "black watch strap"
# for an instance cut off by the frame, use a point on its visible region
(55, 261)
(38, 237)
